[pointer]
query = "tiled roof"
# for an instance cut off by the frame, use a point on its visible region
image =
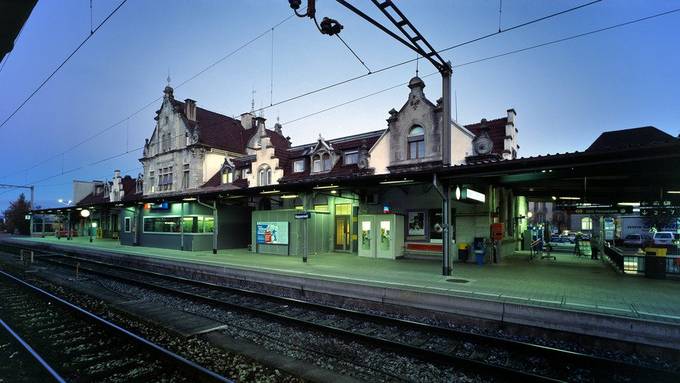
(339, 169)
(631, 138)
(496, 131)
(216, 130)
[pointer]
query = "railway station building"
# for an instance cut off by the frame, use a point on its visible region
(215, 182)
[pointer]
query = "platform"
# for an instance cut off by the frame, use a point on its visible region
(570, 293)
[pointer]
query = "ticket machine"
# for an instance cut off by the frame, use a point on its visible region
(381, 235)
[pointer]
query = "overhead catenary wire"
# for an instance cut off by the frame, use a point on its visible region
(152, 102)
(487, 58)
(18, 108)
(354, 53)
(392, 66)
(395, 65)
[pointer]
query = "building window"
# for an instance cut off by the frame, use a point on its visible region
(152, 181)
(326, 162)
(191, 224)
(227, 176)
(416, 142)
(126, 224)
(299, 166)
(264, 176)
(165, 179)
(351, 157)
(187, 140)
(586, 223)
(316, 164)
(185, 177)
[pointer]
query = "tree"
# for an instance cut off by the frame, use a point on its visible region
(15, 216)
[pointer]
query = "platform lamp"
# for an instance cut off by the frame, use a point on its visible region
(86, 213)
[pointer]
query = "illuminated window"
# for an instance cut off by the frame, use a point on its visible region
(586, 223)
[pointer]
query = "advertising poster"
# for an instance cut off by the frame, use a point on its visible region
(416, 223)
(272, 233)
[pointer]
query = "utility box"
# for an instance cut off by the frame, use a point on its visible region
(381, 235)
(497, 230)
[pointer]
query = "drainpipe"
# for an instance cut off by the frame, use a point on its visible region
(445, 194)
(215, 223)
(181, 227)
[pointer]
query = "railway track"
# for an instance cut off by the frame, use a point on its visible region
(499, 357)
(66, 343)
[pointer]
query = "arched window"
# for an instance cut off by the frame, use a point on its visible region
(264, 176)
(416, 142)
(586, 223)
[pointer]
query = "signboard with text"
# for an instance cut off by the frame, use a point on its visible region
(272, 233)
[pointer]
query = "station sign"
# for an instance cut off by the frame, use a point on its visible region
(655, 208)
(157, 206)
(604, 210)
(467, 194)
(304, 215)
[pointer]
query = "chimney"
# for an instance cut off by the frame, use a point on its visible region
(116, 174)
(278, 128)
(259, 122)
(247, 120)
(190, 109)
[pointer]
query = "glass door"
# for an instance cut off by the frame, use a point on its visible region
(366, 245)
(385, 239)
(342, 233)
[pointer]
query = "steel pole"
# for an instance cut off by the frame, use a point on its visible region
(181, 227)
(215, 226)
(446, 235)
(446, 115)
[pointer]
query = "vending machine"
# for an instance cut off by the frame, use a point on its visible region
(381, 235)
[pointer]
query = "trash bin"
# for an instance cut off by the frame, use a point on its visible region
(463, 252)
(655, 263)
(479, 256)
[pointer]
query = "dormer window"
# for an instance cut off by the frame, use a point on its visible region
(326, 162)
(227, 176)
(316, 164)
(298, 166)
(351, 157)
(416, 142)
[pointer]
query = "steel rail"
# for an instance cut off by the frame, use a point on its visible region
(201, 373)
(488, 340)
(33, 353)
(604, 365)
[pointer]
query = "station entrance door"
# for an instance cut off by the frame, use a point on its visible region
(342, 233)
(381, 235)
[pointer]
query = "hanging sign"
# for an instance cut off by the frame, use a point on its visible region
(304, 215)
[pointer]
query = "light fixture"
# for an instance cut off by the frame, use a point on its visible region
(396, 182)
(79, 208)
(673, 191)
(270, 192)
(569, 198)
(84, 213)
(119, 205)
(324, 187)
(289, 196)
(629, 204)
(530, 214)
(553, 198)
(334, 192)
(189, 199)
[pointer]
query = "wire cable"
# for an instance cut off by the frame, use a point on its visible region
(383, 69)
(152, 102)
(354, 53)
(62, 64)
(547, 43)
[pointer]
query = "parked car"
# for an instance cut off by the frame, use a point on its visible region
(663, 238)
(635, 240)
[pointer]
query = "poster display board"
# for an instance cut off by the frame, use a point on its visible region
(272, 233)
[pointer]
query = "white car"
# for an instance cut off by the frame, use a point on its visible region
(663, 238)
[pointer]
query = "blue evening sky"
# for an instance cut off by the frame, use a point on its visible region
(565, 94)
